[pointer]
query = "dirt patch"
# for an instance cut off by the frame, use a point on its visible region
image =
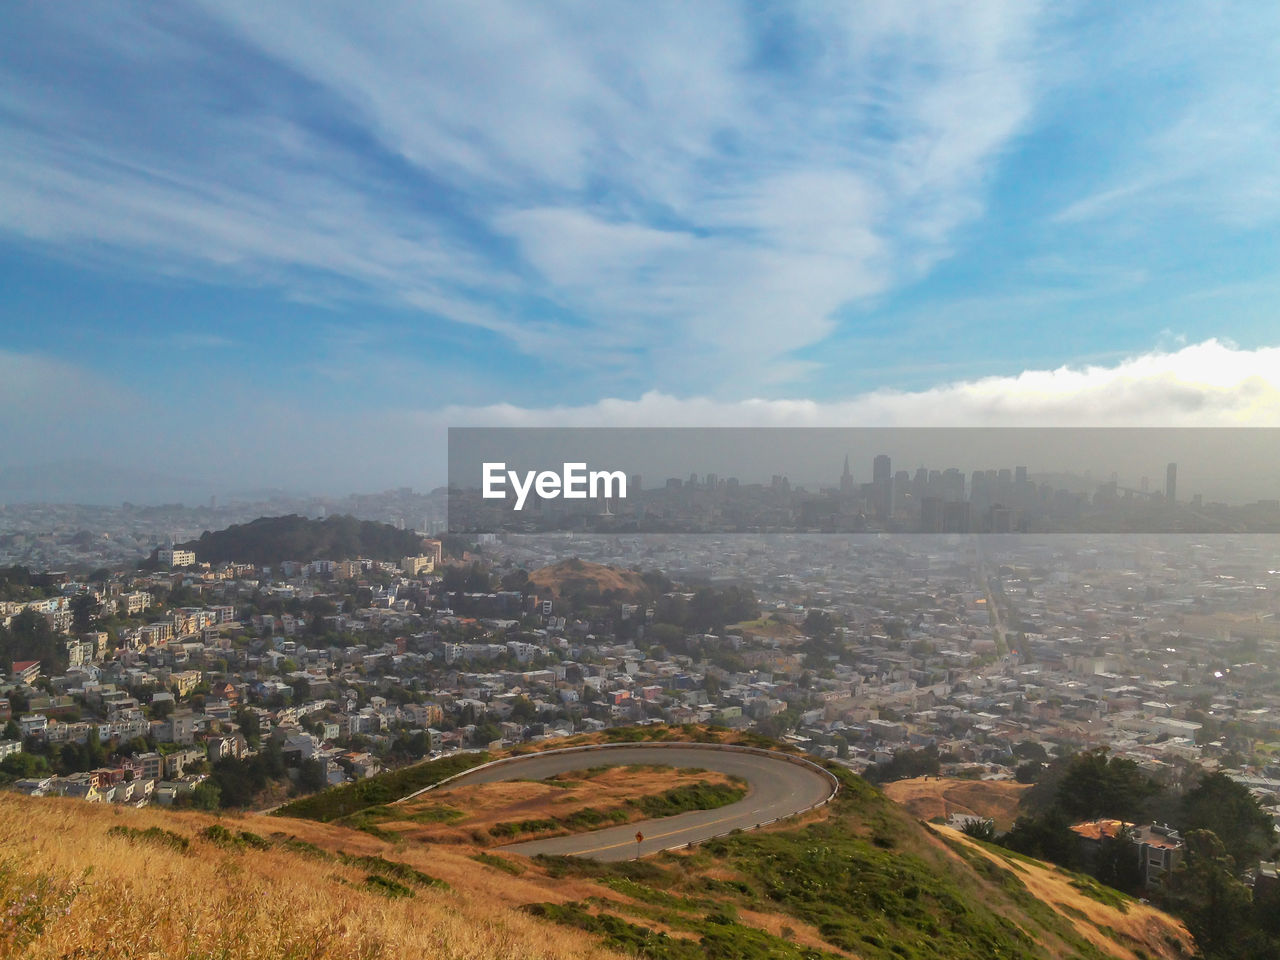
(930, 798)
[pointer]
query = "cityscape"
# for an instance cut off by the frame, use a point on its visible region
(639, 481)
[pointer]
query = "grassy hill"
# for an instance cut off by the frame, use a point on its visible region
(859, 878)
(930, 798)
(275, 539)
(579, 577)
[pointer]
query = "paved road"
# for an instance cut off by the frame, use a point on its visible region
(776, 788)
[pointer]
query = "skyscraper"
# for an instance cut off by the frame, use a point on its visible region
(1171, 482)
(882, 485)
(846, 479)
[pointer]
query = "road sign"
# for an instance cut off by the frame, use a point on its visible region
(639, 837)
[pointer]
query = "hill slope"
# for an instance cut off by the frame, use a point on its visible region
(859, 878)
(275, 539)
(579, 577)
(106, 882)
(929, 798)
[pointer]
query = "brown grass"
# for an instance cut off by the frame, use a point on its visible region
(484, 805)
(927, 798)
(575, 573)
(1152, 931)
(106, 896)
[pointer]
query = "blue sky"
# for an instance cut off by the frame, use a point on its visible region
(274, 227)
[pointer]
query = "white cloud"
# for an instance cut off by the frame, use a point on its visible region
(264, 441)
(1204, 384)
(696, 212)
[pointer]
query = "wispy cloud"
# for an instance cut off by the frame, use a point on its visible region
(1207, 145)
(590, 184)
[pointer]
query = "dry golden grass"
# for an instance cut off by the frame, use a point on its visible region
(575, 573)
(484, 805)
(83, 892)
(1143, 927)
(927, 798)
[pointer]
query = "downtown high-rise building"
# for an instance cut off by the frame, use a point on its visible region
(882, 486)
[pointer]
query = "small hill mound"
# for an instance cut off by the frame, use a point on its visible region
(580, 578)
(276, 539)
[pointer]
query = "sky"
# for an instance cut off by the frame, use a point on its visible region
(289, 244)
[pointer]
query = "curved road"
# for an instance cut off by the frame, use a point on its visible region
(777, 788)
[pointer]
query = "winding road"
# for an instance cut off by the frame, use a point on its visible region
(779, 785)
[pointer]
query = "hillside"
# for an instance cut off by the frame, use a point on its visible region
(858, 879)
(932, 798)
(861, 877)
(85, 880)
(275, 539)
(580, 578)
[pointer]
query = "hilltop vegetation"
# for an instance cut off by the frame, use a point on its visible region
(275, 539)
(588, 582)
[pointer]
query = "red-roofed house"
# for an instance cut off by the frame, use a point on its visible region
(25, 671)
(1159, 848)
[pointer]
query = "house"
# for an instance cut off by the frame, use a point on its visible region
(1158, 847)
(33, 724)
(35, 787)
(25, 671)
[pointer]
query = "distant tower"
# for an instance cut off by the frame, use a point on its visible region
(846, 479)
(882, 484)
(1171, 482)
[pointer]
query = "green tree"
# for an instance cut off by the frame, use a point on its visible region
(1118, 863)
(311, 776)
(1227, 808)
(1046, 835)
(1092, 786)
(1216, 907)
(206, 796)
(85, 610)
(20, 766)
(818, 625)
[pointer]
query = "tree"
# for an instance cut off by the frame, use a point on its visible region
(1046, 836)
(312, 776)
(1030, 750)
(1204, 892)
(85, 610)
(1118, 863)
(979, 828)
(29, 637)
(20, 766)
(818, 625)
(206, 796)
(1028, 772)
(906, 764)
(1092, 786)
(523, 710)
(1227, 808)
